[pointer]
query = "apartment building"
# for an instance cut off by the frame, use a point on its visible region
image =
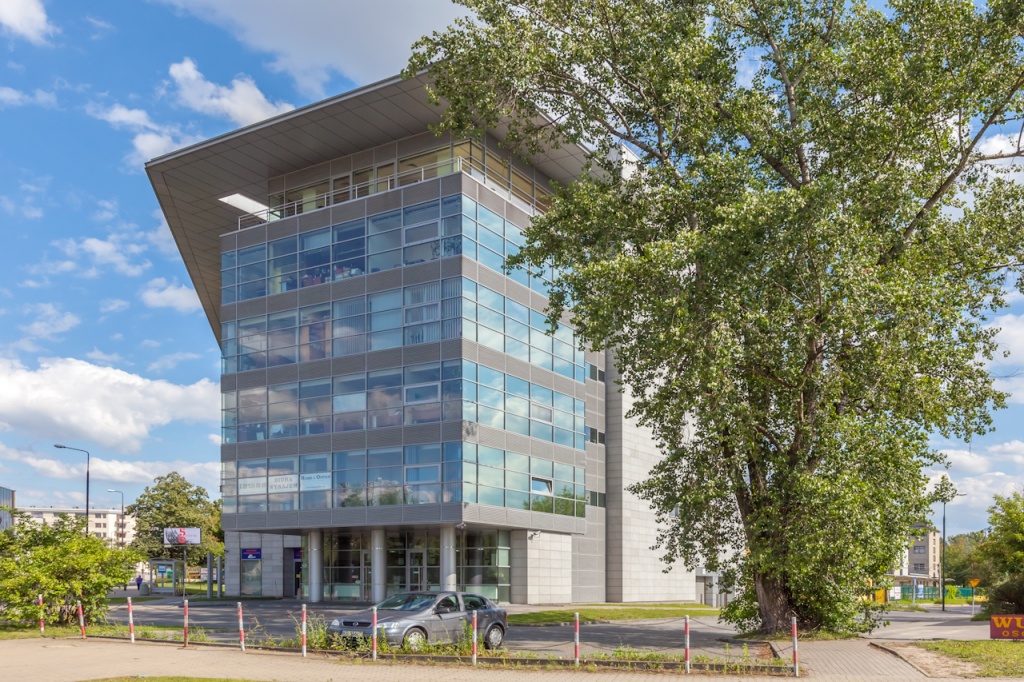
(106, 524)
(396, 414)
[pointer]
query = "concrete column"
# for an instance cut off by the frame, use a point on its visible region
(316, 566)
(448, 558)
(379, 558)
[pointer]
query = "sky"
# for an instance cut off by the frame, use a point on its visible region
(103, 343)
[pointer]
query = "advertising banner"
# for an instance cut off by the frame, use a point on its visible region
(317, 481)
(181, 536)
(252, 553)
(252, 486)
(285, 483)
(1006, 627)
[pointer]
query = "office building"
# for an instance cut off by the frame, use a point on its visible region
(395, 413)
(7, 499)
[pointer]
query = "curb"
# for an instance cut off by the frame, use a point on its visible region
(897, 654)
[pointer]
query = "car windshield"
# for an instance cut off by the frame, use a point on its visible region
(407, 602)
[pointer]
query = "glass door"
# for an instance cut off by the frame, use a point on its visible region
(417, 570)
(367, 572)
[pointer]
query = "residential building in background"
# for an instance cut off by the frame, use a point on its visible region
(922, 561)
(106, 524)
(395, 414)
(7, 499)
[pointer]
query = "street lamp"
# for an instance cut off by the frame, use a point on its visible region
(120, 523)
(87, 458)
(942, 585)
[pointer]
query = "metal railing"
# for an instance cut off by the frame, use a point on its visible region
(471, 167)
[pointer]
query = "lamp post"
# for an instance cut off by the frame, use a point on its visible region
(948, 496)
(87, 459)
(120, 522)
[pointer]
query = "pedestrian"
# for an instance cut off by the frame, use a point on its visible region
(138, 582)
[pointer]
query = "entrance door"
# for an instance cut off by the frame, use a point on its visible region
(417, 569)
(367, 572)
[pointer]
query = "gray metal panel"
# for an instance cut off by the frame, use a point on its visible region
(539, 448)
(424, 352)
(353, 440)
(383, 359)
(421, 513)
(492, 437)
(315, 444)
(385, 515)
(228, 312)
(252, 237)
(314, 220)
(362, 159)
(307, 176)
(451, 267)
(314, 518)
(542, 377)
(564, 524)
(380, 438)
(451, 430)
(347, 288)
(518, 368)
(421, 272)
(519, 517)
(348, 364)
(539, 520)
(252, 379)
(284, 301)
(229, 242)
(252, 450)
(280, 447)
(257, 306)
(492, 280)
(451, 512)
(283, 374)
(386, 201)
(518, 293)
(380, 281)
(348, 211)
(228, 521)
(517, 443)
(287, 519)
(228, 382)
(341, 166)
(282, 228)
(247, 521)
(492, 201)
(385, 152)
(451, 348)
(451, 184)
(421, 433)
(349, 516)
(319, 293)
(421, 191)
(317, 369)
(228, 452)
(486, 514)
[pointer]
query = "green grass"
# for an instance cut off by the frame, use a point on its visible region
(56, 631)
(994, 658)
(135, 600)
(590, 614)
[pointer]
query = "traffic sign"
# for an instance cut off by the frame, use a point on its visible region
(973, 582)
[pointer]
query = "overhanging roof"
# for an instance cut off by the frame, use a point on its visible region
(190, 182)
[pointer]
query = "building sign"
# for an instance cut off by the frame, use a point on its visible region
(1006, 627)
(297, 553)
(251, 553)
(285, 483)
(181, 536)
(252, 486)
(317, 481)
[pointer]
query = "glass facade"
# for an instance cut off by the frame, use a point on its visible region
(410, 475)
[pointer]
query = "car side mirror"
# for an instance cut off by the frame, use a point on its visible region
(441, 609)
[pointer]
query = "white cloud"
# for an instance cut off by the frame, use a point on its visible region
(106, 210)
(68, 467)
(99, 357)
(119, 252)
(171, 361)
(363, 42)
(27, 19)
(25, 204)
(160, 293)
(49, 321)
(9, 97)
(67, 398)
(161, 238)
(101, 28)
(241, 102)
(151, 139)
(117, 337)
(216, 439)
(149, 343)
(113, 305)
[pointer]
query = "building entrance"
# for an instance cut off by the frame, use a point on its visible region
(416, 570)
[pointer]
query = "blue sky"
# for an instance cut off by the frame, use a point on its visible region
(103, 345)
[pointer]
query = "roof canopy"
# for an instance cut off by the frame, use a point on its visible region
(190, 182)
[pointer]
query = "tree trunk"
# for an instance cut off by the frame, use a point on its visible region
(773, 602)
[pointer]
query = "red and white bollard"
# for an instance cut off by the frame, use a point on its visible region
(185, 631)
(474, 636)
(576, 639)
(373, 635)
(241, 628)
(303, 630)
(42, 628)
(131, 621)
(81, 618)
(796, 659)
(687, 651)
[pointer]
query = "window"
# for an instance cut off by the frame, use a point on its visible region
(920, 550)
(540, 486)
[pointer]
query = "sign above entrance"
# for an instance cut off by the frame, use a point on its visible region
(251, 553)
(181, 536)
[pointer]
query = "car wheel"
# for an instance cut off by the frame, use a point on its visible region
(415, 639)
(494, 637)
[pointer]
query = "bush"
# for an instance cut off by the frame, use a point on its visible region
(1006, 597)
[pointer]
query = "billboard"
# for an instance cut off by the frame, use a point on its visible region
(180, 536)
(1010, 626)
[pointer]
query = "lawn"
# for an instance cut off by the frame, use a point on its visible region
(994, 658)
(135, 600)
(30, 631)
(590, 614)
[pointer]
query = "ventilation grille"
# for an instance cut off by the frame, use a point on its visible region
(314, 294)
(423, 191)
(280, 447)
(253, 379)
(257, 306)
(379, 281)
(282, 374)
(354, 286)
(318, 369)
(284, 301)
(421, 272)
(379, 438)
(349, 211)
(314, 220)
(252, 236)
(422, 433)
(313, 444)
(282, 228)
(228, 382)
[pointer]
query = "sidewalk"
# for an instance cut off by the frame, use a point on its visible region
(74, 660)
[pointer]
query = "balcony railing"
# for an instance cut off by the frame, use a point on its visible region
(471, 167)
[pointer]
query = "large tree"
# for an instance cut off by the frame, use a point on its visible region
(61, 562)
(173, 502)
(796, 270)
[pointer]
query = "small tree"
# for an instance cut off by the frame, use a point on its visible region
(61, 562)
(173, 502)
(1003, 550)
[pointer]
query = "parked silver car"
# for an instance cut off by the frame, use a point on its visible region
(417, 617)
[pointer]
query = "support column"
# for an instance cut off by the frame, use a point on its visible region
(448, 557)
(316, 566)
(379, 557)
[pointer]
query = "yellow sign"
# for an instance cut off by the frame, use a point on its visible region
(973, 582)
